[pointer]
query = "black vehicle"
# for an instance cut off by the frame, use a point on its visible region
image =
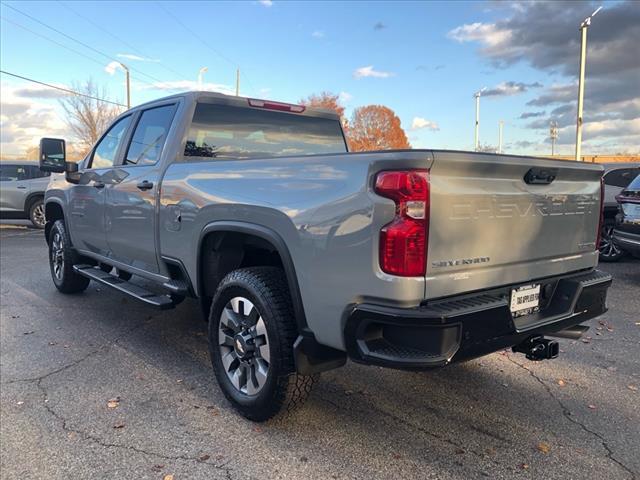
(626, 234)
(616, 177)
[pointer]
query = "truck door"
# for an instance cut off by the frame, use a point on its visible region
(87, 198)
(131, 197)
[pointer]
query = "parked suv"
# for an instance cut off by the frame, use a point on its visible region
(304, 255)
(616, 177)
(626, 233)
(22, 187)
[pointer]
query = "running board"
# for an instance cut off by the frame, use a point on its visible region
(163, 302)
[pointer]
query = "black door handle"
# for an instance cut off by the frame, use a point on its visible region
(98, 184)
(145, 185)
(22, 187)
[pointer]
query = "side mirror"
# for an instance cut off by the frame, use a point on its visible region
(52, 155)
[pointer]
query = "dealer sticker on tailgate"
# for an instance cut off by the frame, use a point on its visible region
(525, 300)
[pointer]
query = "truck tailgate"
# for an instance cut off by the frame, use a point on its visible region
(490, 227)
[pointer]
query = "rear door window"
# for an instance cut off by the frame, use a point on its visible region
(621, 177)
(149, 136)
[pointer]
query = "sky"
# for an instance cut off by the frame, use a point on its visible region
(424, 60)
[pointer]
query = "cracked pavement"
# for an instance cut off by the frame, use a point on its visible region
(62, 358)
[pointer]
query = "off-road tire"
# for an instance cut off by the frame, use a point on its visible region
(284, 388)
(36, 213)
(67, 280)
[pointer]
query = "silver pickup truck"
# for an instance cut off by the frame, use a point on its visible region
(304, 255)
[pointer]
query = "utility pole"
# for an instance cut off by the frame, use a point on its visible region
(500, 126)
(126, 73)
(553, 133)
(237, 82)
(201, 72)
(583, 60)
(476, 136)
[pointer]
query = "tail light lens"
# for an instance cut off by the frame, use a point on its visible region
(601, 221)
(403, 242)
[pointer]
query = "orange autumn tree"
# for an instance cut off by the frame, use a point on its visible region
(326, 100)
(376, 127)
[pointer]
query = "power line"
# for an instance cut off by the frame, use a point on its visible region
(99, 62)
(201, 40)
(61, 89)
(127, 44)
(78, 41)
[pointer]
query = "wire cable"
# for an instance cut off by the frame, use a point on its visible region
(80, 42)
(61, 89)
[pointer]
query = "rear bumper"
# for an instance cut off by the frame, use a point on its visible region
(629, 242)
(466, 326)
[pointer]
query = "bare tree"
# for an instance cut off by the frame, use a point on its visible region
(88, 117)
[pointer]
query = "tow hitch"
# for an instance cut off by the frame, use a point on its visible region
(538, 348)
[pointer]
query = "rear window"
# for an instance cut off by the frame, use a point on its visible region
(227, 132)
(620, 177)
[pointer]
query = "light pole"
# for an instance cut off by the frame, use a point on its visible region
(237, 82)
(553, 133)
(583, 60)
(477, 130)
(201, 72)
(500, 126)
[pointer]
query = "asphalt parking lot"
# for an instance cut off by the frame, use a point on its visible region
(65, 360)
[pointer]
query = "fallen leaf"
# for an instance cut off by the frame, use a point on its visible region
(157, 468)
(592, 407)
(348, 392)
(113, 402)
(20, 403)
(609, 329)
(29, 332)
(633, 388)
(204, 458)
(524, 466)
(586, 340)
(52, 343)
(459, 451)
(168, 477)
(179, 380)
(396, 456)
(543, 447)
(561, 382)
(118, 425)
(304, 459)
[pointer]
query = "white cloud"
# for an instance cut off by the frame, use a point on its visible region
(266, 3)
(488, 33)
(186, 85)
(318, 34)
(369, 71)
(137, 58)
(345, 97)
(23, 120)
(420, 123)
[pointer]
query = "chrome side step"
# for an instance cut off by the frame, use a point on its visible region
(163, 302)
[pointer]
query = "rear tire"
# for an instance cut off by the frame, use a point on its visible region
(61, 260)
(251, 334)
(36, 213)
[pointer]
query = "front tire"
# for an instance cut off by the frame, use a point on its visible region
(251, 335)
(61, 261)
(36, 213)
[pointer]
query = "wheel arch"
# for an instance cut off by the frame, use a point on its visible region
(30, 198)
(52, 211)
(247, 231)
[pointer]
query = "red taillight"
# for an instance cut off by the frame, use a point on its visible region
(601, 221)
(403, 242)
(282, 107)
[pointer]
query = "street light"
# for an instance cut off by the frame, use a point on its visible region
(500, 127)
(111, 69)
(583, 59)
(553, 133)
(477, 131)
(201, 72)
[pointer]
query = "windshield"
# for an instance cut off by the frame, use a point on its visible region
(227, 132)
